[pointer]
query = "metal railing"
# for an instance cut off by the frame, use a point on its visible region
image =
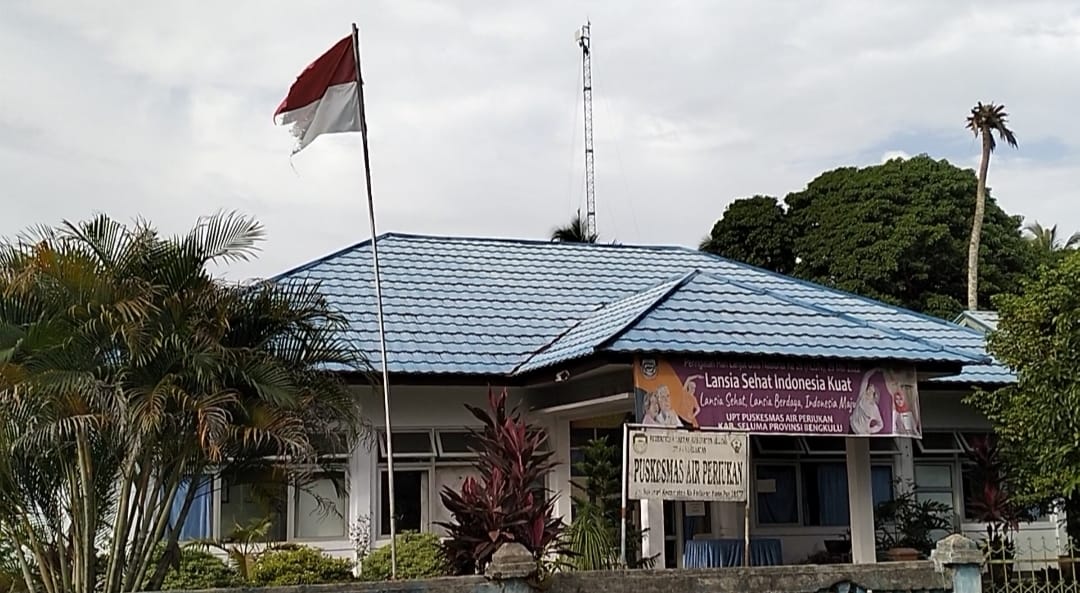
(1031, 566)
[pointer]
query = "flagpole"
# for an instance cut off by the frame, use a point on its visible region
(378, 305)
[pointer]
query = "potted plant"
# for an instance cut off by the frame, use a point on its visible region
(906, 526)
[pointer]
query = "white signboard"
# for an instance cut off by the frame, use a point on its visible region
(687, 465)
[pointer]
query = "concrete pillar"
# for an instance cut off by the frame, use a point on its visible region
(652, 521)
(905, 467)
(860, 501)
(559, 478)
(961, 560)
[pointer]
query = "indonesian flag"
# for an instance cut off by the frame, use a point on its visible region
(324, 99)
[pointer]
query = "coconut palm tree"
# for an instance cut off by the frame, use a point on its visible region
(577, 231)
(126, 370)
(984, 121)
(1046, 239)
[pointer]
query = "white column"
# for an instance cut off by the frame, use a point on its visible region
(652, 521)
(905, 470)
(559, 482)
(860, 501)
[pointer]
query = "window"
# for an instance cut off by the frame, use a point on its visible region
(777, 494)
(198, 524)
(410, 500)
(579, 439)
(813, 493)
(935, 482)
(251, 496)
(320, 507)
(311, 510)
(456, 443)
(409, 444)
(939, 443)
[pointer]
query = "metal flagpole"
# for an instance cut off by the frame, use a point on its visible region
(746, 508)
(623, 510)
(378, 304)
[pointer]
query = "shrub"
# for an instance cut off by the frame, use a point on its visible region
(299, 566)
(419, 556)
(200, 570)
(509, 502)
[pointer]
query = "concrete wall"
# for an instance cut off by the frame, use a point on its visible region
(883, 578)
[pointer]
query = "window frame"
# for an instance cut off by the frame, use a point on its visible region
(291, 514)
(800, 495)
(427, 471)
(796, 467)
(431, 453)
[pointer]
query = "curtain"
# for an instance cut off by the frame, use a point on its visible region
(781, 505)
(832, 490)
(881, 483)
(197, 523)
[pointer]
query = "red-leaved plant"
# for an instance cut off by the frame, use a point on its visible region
(508, 503)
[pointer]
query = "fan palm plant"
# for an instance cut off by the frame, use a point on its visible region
(984, 121)
(126, 369)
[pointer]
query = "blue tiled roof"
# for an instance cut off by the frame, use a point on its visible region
(493, 306)
(980, 374)
(593, 331)
(711, 315)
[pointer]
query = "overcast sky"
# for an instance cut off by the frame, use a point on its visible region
(163, 110)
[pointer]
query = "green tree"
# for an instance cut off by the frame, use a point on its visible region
(126, 369)
(1037, 419)
(897, 231)
(754, 231)
(984, 121)
(576, 231)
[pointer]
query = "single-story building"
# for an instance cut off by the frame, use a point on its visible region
(564, 326)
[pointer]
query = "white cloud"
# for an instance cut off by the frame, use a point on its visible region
(135, 108)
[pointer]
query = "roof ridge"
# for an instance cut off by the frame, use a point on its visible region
(846, 317)
(675, 284)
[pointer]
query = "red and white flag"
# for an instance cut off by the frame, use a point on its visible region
(324, 98)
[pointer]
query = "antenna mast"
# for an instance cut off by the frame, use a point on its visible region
(585, 41)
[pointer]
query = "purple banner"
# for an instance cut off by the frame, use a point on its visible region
(778, 397)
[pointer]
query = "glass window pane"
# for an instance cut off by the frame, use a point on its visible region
(944, 442)
(320, 507)
(945, 498)
(198, 522)
(579, 437)
(406, 443)
(881, 483)
(252, 496)
(777, 499)
(825, 494)
(576, 457)
(457, 442)
(409, 496)
(933, 476)
(825, 444)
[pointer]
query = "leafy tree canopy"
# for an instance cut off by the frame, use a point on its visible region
(126, 368)
(1038, 418)
(755, 231)
(896, 232)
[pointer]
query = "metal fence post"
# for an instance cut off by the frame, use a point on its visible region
(960, 559)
